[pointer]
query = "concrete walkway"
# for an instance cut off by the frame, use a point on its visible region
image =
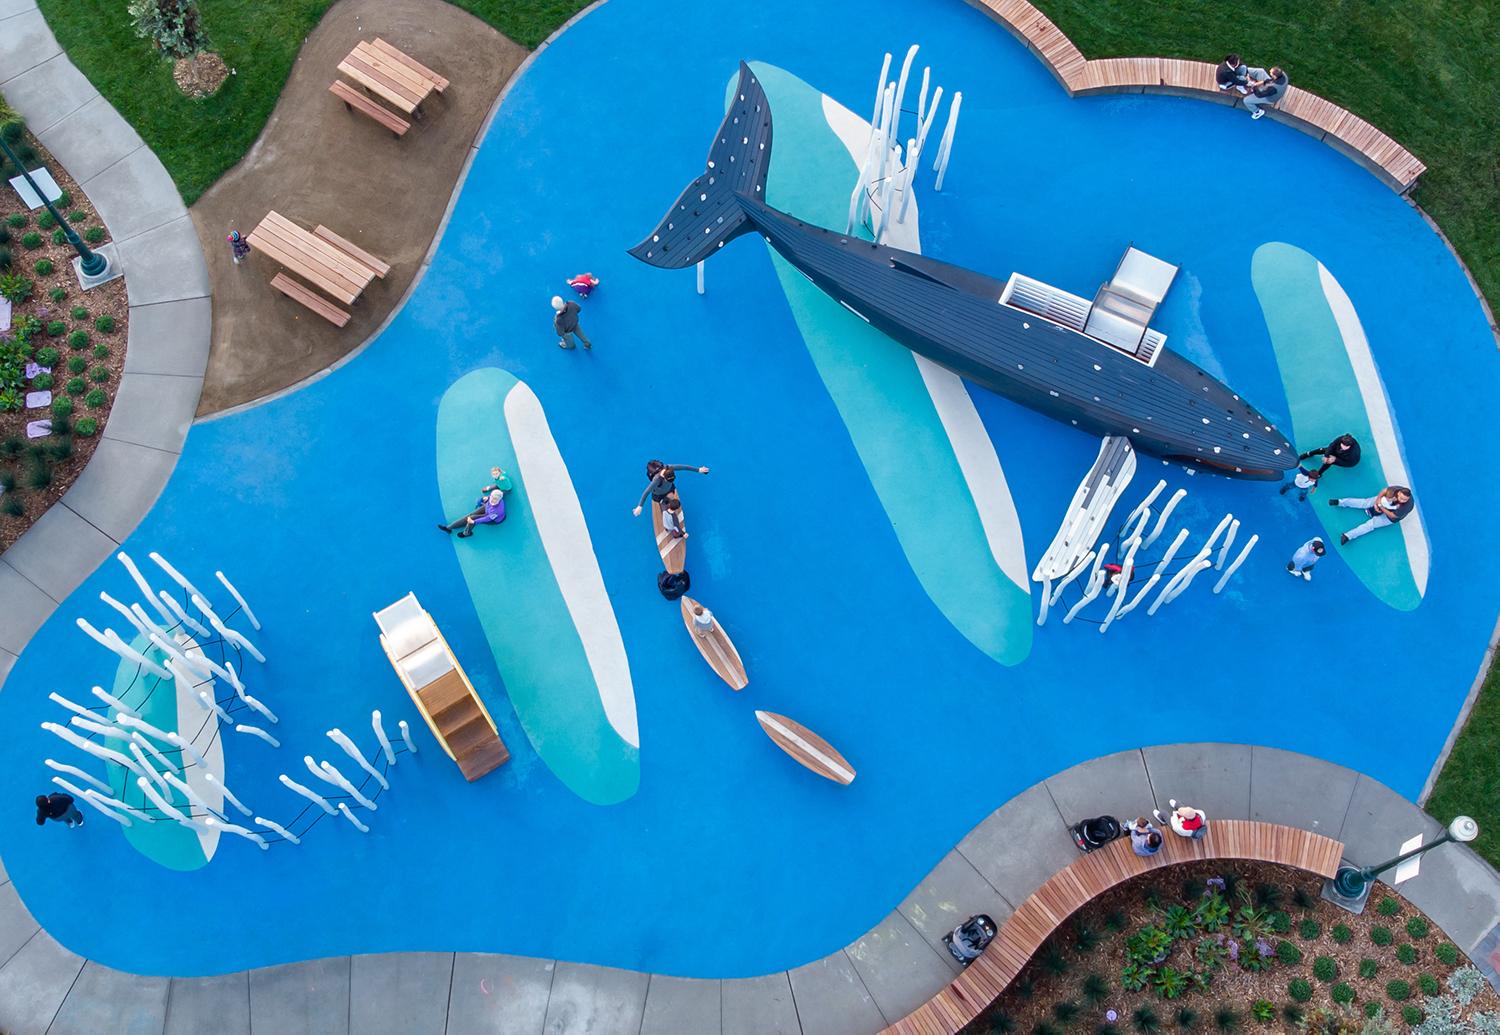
(167, 349)
(875, 981)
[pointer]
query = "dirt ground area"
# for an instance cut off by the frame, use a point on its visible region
(317, 163)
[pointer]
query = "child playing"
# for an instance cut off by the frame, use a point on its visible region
(1306, 556)
(1304, 481)
(238, 246)
(584, 283)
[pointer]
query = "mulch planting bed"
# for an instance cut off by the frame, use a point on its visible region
(1242, 947)
(87, 331)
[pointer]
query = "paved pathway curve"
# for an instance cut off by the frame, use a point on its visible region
(861, 988)
(166, 281)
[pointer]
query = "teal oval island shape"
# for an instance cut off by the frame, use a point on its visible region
(537, 589)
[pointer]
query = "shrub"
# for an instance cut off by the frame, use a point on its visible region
(44, 220)
(56, 328)
(1372, 1009)
(1054, 962)
(13, 446)
(4, 234)
(1446, 953)
(174, 26)
(1303, 898)
(1342, 993)
(39, 476)
(62, 425)
(86, 427)
(62, 407)
(1324, 969)
(1412, 1015)
(1001, 1024)
(77, 216)
(7, 479)
(1299, 989)
(1368, 968)
(1406, 953)
(60, 448)
(1145, 1020)
(16, 288)
(99, 375)
(1342, 934)
(47, 356)
(1388, 906)
(1116, 921)
(76, 386)
(1263, 1010)
(1398, 991)
(42, 383)
(94, 234)
(1186, 1017)
(1381, 935)
(12, 505)
(1429, 985)
(104, 324)
(96, 399)
(16, 220)
(1278, 923)
(1225, 1019)
(1045, 1028)
(1466, 983)
(79, 313)
(1170, 982)
(43, 267)
(57, 294)
(1309, 929)
(79, 339)
(101, 351)
(1095, 989)
(5, 259)
(1417, 927)
(59, 236)
(1065, 1011)
(63, 200)
(11, 399)
(1085, 938)
(31, 240)
(1267, 896)
(77, 364)
(1293, 1014)
(1288, 953)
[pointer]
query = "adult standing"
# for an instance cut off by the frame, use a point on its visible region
(1389, 508)
(565, 323)
(663, 483)
(1341, 452)
(59, 808)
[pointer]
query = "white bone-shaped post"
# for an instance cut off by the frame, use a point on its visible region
(114, 702)
(93, 799)
(256, 731)
(1193, 571)
(1140, 595)
(350, 817)
(1234, 526)
(1122, 590)
(155, 752)
(238, 599)
(1071, 576)
(231, 636)
(231, 828)
(97, 750)
(234, 678)
(140, 756)
(115, 803)
(177, 740)
(110, 640)
(385, 743)
(214, 781)
(339, 738)
(1176, 545)
(180, 613)
(166, 807)
(265, 712)
(945, 147)
(194, 798)
(103, 729)
(277, 828)
(1161, 519)
(147, 625)
(1096, 583)
(209, 703)
(411, 745)
(87, 713)
(127, 614)
(1229, 572)
(73, 770)
(201, 666)
(311, 795)
(348, 787)
(145, 587)
(173, 574)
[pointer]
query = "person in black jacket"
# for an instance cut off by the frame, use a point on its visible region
(1341, 452)
(1232, 75)
(58, 807)
(565, 323)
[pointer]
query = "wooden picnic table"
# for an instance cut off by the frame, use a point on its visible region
(391, 75)
(314, 258)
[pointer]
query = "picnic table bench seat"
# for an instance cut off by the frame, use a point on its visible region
(311, 299)
(356, 101)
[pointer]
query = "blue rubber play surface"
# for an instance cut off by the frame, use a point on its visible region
(708, 852)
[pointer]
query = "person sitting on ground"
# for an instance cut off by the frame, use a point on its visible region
(663, 483)
(584, 284)
(489, 509)
(1267, 90)
(1145, 839)
(1341, 452)
(1185, 821)
(703, 621)
(1390, 507)
(1304, 481)
(1232, 75)
(671, 517)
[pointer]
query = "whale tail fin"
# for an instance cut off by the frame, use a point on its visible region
(708, 213)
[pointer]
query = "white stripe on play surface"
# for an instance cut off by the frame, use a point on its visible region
(570, 551)
(1382, 424)
(971, 443)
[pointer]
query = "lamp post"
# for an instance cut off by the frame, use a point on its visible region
(1352, 883)
(92, 264)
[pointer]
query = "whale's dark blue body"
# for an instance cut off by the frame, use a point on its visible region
(1168, 407)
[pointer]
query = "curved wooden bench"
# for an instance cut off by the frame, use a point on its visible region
(1077, 884)
(1342, 130)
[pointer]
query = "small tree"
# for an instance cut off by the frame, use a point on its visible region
(175, 26)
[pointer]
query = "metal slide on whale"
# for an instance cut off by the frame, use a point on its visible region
(1165, 405)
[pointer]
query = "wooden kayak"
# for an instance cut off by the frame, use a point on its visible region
(673, 550)
(716, 648)
(806, 747)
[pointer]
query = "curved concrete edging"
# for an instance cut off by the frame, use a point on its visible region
(168, 338)
(864, 987)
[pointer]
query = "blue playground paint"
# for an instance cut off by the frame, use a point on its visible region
(327, 509)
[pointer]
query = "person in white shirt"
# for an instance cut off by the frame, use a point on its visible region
(703, 621)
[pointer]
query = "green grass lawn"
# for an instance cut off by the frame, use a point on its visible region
(1469, 784)
(199, 140)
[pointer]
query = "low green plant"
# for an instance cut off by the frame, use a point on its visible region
(1144, 1019)
(1429, 985)
(1226, 1019)
(1179, 922)
(1170, 982)
(79, 313)
(1267, 896)
(1085, 939)
(1388, 906)
(1054, 962)
(1299, 989)
(1094, 989)
(38, 476)
(16, 288)
(1186, 1018)
(11, 400)
(1324, 969)
(1309, 929)
(5, 259)
(1045, 1028)
(63, 200)
(99, 375)
(1116, 921)
(59, 236)
(56, 328)
(1381, 935)
(1412, 1015)
(1342, 993)
(1288, 953)
(57, 294)
(1278, 923)
(94, 234)
(1368, 968)
(86, 427)
(62, 425)
(31, 240)
(1263, 1010)
(1397, 991)
(7, 479)
(1446, 953)
(1066, 1011)
(47, 356)
(1341, 934)
(1372, 1009)
(77, 364)
(13, 446)
(96, 399)
(101, 350)
(1213, 912)
(77, 216)
(1417, 927)
(76, 386)
(1293, 1014)
(79, 339)
(1148, 945)
(1302, 898)
(12, 505)
(59, 448)
(16, 220)
(1001, 1024)
(1406, 953)
(43, 267)
(43, 382)
(105, 324)
(62, 407)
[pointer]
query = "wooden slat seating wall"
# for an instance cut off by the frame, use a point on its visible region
(1079, 883)
(1306, 111)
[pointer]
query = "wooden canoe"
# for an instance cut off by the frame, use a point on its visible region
(673, 550)
(806, 747)
(716, 648)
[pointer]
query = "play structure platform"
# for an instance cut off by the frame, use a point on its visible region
(440, 688)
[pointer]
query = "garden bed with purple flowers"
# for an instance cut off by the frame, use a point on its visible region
(1226, 947)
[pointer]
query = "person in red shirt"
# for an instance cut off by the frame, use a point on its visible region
(1184, 820)
(584, 284)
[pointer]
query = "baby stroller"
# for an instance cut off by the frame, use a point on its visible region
(966, 941)
(1090, 834)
